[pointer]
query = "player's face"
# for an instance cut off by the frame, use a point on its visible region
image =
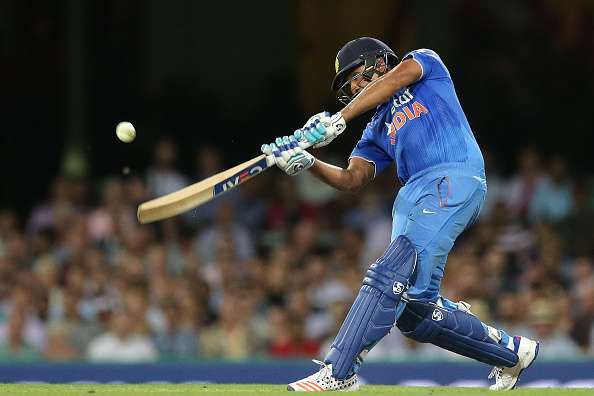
(358, 81)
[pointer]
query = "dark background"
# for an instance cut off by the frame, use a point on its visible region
(237, 74)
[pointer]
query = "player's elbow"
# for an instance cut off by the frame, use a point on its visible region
(357, 175)
(407, 72)
(352, 184)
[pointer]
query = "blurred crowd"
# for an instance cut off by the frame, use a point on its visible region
(271, 268)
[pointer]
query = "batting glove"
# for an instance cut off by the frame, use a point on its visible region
(287, 153)
(321, 129)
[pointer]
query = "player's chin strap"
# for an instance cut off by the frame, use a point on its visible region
(373, 313)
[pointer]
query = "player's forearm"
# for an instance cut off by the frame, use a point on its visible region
(375, 93)
(380, 90)
(339, 178)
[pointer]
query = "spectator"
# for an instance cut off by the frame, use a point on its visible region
(113, 218)
(229, 337)
(510, 312)
(179, 338)
(22, 334)
(288, 339)
(225, 226)
(523, 185)
(69, 333)
(553, 198)
(373, 217)
(162, 177)
(286, 208)
(546, 326)
(122, 344)
(582, 298)
(49, 214)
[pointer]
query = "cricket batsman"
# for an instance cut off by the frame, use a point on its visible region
(420, 125)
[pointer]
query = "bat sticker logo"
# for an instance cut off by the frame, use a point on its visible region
(239, 178)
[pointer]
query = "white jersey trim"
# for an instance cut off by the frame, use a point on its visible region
(411, 55)
(367, 160)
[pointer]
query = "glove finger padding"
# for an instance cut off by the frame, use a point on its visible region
(288, 155)
(313, 136)
(267, 150)
(280, 161)
(287, 146)
(283, 149)
(315, 117)
(315, 131)
(295, 145)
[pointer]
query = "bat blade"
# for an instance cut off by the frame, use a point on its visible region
(194, 195)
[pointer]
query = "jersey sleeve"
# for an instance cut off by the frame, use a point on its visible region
(431, 64)
(369, 150)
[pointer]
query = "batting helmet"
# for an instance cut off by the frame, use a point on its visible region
(363, 50)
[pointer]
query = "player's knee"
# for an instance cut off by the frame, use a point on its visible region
(392, 271)
(413, 321)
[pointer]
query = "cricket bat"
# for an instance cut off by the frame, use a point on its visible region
(197, 194)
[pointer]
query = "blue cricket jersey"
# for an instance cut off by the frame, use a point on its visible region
(421, 126)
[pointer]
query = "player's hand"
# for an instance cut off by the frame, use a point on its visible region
(287, 153)
(321, 129)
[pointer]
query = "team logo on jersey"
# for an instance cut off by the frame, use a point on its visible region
(402, 117)
(437, 315)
